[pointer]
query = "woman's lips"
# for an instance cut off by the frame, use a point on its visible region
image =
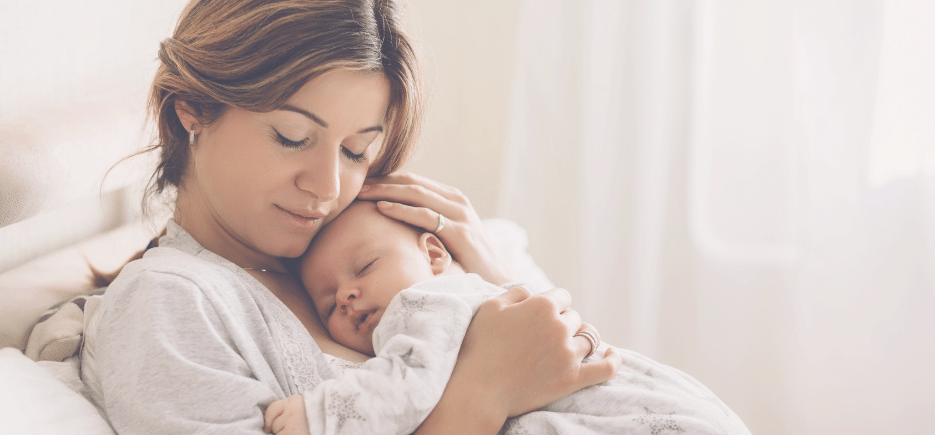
(302, 218)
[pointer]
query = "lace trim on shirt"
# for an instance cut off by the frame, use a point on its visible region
(339, 365)
(296, 344)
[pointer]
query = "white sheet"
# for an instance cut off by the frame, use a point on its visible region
(34, 400)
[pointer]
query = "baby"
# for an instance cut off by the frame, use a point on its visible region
(394, 292)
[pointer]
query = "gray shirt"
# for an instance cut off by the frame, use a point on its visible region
(187, 342)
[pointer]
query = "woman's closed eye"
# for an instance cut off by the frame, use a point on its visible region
(288, 143)
(299, 144)
(356, 158)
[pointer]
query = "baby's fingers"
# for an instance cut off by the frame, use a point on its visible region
(272, 412)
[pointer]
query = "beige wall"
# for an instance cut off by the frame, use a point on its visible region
(469, 50)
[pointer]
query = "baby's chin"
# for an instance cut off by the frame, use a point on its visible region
(363, 343)
(369, 349)
(370, 324)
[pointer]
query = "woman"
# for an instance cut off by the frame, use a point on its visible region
(271, 114)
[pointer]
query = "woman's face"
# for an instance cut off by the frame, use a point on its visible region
(270, 181)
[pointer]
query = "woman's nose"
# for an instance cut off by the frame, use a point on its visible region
(321, 174)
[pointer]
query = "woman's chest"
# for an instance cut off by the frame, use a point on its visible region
(298, 302)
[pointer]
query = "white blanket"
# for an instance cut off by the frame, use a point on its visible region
(417, 343)
(39, 398)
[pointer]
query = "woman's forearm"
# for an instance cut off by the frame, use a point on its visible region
(466, 407)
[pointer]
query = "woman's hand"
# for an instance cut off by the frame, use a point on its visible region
(519, 354)
(524, 345)
(419, 201)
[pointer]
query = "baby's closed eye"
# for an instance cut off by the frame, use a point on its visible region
(366, 266)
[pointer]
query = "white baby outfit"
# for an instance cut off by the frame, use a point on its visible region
(417, 343)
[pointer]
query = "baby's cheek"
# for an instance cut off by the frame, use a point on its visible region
(342, 332)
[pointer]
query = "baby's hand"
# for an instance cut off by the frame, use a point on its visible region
(287, 417)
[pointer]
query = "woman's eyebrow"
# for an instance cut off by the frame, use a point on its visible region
(319, 121)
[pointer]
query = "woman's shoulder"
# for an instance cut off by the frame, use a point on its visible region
(166, 263)
(168, 273)
(168, 289)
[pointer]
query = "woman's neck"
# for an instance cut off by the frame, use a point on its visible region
(212, 235)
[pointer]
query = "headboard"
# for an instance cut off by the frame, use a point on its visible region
(73, 85)
(74, 78)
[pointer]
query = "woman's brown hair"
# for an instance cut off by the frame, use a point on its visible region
(255, 54)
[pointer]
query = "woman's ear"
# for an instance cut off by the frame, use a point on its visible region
(187, 116)
(439, 257)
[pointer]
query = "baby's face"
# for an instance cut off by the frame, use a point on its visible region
(355, 266)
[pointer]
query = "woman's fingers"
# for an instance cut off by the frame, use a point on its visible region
(572, 321)
(521, 352)
(415, 195)
(557, 302)
(561, 298)
(513, 296)
(417, 216)
(420, 201)
(587, 327)
(585, 345)
(592, 373)
(418, 191)
(404, 178)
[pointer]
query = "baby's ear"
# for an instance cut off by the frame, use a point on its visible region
(439, 257)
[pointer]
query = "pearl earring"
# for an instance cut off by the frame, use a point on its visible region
(191, 137)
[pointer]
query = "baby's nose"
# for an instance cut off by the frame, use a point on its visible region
(346, 304)
(345, 297)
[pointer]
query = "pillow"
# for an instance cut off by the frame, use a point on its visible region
(34, 401)
(29, 290)
(511, 242)
(57, 335)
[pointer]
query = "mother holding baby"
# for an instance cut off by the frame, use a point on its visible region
(272, 116)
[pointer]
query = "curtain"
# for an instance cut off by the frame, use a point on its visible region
(743, 189)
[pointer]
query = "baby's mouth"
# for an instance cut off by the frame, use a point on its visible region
(361, 318)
